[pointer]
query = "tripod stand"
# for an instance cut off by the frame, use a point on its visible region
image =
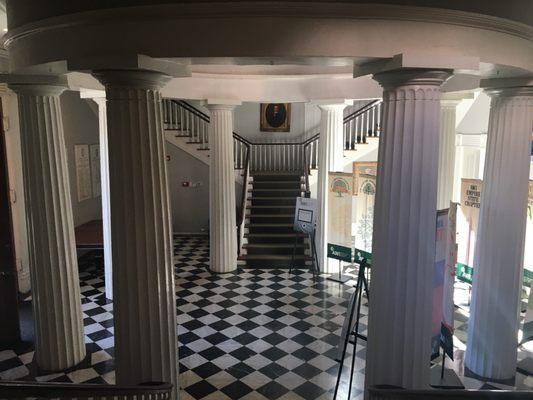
(357, 298)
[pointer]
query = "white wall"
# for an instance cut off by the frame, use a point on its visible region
(189, 205)
(80, 125)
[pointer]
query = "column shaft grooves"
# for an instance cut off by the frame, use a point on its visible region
(223, 236)
(143, 284)
(331, 153)
(55, 286)
(404, 235)
(498, 258)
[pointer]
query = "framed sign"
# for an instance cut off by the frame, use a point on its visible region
(305, 215)
(275, 117)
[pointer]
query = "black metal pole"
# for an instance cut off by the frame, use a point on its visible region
(360, 276)
(346, 339)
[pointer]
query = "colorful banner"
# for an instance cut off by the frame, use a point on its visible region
(340, 213)
(443, 280)
(364, 176)
(448, 308)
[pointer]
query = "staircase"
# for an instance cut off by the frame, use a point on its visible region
(279, 173)
(269, 218)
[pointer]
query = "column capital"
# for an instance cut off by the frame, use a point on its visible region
(38, 85)
(508, 87)
(332, 104)
(140, 79)
(412, 77)
(221, 104)
(452, 99)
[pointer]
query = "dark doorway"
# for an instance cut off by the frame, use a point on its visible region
(9, 328)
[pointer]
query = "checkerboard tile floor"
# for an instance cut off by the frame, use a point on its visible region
(252, 334)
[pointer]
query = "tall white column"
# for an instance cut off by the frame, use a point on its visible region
(222, 212)
(105, 192)
(498, 260)
(403, 252)
(446, 153)
(331, 153)
(143, 272)
(59, 340)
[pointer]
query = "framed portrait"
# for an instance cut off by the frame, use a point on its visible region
(275, 117)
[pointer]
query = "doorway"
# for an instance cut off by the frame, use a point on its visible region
(9, 314)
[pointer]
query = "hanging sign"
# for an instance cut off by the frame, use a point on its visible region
(305, 215)
(339, 252)
(340, 191)
(468, 219)
(364, 176)
(448, 308)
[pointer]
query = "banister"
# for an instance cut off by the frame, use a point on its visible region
(52, 390)
(361, 110)
(376, 393)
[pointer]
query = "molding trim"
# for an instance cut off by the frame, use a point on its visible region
(266, 9)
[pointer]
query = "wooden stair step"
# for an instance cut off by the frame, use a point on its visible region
(266, 225)
(248, 215)
(273, 245)
(250, 207)
(283, 190)
(275, 235)
(273, 197)
(274, 257)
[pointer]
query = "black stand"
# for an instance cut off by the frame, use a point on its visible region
(445, 378)
(341, 278)
(361, 282)
(315, 268)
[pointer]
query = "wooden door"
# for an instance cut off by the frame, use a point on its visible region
(9, 314)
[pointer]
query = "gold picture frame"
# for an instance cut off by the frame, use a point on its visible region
(275, 117)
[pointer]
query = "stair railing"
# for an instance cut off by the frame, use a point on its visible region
(362, 123)
(180, 116)
(71, 391)
(272, 156)
(445, 394)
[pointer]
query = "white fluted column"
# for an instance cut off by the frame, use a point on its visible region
(446, 153)
(143, 278)
(331, 154)
(104, 184)
(222, 212)
(59, 340)
(403, 245)
(498, 260)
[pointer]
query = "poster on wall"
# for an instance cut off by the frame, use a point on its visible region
(340, 216)
(94, 151)
(83, 171)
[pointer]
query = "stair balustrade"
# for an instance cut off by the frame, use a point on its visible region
(382, 393)
(362, 124)
(70, 391)
(190, 122)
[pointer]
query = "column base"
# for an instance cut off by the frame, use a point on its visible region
(35, 370)
(508, 381)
